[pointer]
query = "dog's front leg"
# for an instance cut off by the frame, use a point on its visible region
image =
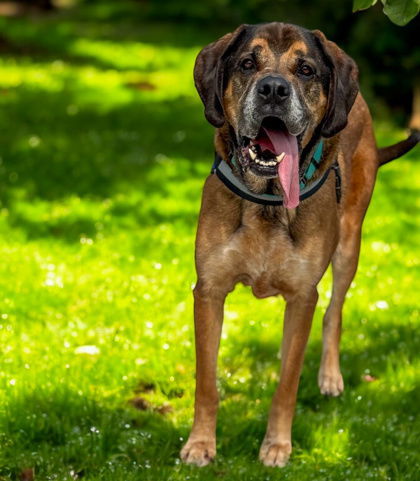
(200, 448)
(277, 444)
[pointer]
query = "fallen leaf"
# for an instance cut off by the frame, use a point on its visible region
(369, 378)
(27, 474)
(141, 85)
(140, 403)
(144, 387)
(165, 409)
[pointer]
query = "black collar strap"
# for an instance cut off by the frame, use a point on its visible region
(225, 174)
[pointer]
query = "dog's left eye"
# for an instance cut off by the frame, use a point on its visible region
(305, 70)
(247, 64)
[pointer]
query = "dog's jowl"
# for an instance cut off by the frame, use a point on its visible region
(296, 165)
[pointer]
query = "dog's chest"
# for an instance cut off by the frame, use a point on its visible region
(268, 260)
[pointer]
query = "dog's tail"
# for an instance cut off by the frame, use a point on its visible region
(386, 154)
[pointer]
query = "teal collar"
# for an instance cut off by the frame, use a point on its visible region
(313, 165)
(225, 174)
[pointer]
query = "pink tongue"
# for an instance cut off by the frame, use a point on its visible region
(288, 169)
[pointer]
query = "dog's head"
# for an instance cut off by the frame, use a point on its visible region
(275, 86)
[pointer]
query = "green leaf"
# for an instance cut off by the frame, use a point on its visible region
(362, 4)
(401, 11)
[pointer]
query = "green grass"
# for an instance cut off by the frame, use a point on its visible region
(104, 150)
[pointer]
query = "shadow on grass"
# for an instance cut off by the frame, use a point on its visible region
(89, 154)
(129, 162)
(49, 36)
(65, 432)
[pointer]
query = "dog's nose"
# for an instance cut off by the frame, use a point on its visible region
(273, 88)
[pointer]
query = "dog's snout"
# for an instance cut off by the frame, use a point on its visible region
(273, 88)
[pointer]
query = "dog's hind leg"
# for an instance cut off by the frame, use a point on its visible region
(359, 178)
(344, 266)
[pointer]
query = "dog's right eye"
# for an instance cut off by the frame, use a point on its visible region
(247, 64)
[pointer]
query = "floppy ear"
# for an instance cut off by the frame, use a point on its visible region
(209, 74)
(343, 86)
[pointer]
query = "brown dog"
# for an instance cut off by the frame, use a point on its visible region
(274, 212)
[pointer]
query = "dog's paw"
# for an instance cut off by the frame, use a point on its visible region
(330, 384)
(199, 452)
(274, 453)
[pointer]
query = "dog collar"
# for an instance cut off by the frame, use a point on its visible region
(225, 174)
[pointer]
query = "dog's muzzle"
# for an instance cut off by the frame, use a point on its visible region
(272, 96)
(273, 90)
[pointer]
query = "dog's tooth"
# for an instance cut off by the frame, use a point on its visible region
(252, 154)
(280, 157)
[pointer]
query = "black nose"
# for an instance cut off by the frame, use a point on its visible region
(273, 88)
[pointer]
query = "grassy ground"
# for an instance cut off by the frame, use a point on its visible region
(104, 149)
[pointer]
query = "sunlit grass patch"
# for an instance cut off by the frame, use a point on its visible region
(331, 440)
(89, 84)
(134, 55)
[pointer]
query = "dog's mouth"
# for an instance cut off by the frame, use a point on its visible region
(275, 153)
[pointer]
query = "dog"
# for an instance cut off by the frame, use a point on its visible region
(296, 162)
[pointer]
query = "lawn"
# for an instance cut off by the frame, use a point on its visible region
(104, 149)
